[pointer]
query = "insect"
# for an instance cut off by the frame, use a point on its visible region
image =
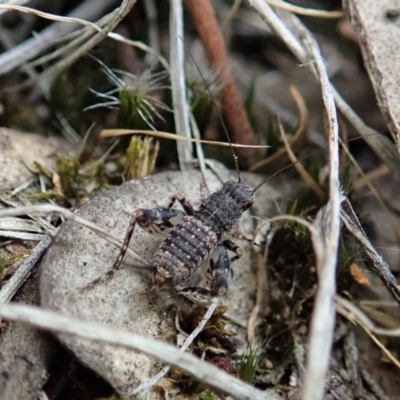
(192, 238)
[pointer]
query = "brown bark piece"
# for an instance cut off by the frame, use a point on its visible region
(211, 36)
(377, 24)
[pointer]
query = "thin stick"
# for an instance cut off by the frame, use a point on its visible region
(378, 142)
(323, 319)
(167, 135)
(15, 282)
(178, 82)
(49, 208)
(204, 371)
(31, 48)
(189, 340)
(211, 36)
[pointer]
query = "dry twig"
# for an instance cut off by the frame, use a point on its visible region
(291, 30)
(9, 289)
(189, 340)
(49, 208)
(352, 224)
(213, 41)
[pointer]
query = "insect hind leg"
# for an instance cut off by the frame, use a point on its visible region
(158, 221)
(118, 262)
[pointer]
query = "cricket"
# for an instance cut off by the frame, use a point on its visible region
(193, 238)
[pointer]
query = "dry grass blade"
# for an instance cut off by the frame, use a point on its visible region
(22, 235)
(83, 43)
(19, 224)
(356, 316)
(178, 82)
(299, 220)
(166, 135)
(290, 29)
(309, 12)
(384, 349)
(352, 224)
(141, 46)
(323, 319)
(280, 158)
(299, 167)
(377, 173)
(207, 373)
(51, 16)
(374, 191)
(189, 340)
(14, 283)
(49, 208)
(32, 48)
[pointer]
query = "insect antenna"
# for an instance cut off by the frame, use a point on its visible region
(259, 185)
(235, 157)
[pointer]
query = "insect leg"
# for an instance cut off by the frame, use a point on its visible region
(183, 201)
(234, 248)
(217, 269)
(238, 233)
(157, 221)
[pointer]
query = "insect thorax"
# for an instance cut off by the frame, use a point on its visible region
(223, 208)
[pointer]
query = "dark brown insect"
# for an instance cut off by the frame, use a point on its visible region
(193, 237)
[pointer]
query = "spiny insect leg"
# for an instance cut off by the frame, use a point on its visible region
(157, 221)
(196, 293)
(238, 233)
(234, 248)
(118, 262)
(183, 201)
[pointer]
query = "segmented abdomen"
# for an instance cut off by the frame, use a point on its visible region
(185, 248)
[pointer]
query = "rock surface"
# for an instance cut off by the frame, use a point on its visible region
(77, 256)
(25, 353)
(19, 151)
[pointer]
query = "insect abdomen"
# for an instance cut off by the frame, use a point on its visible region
(185, 248)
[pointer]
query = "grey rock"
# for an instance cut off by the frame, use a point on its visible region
(77, 256)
